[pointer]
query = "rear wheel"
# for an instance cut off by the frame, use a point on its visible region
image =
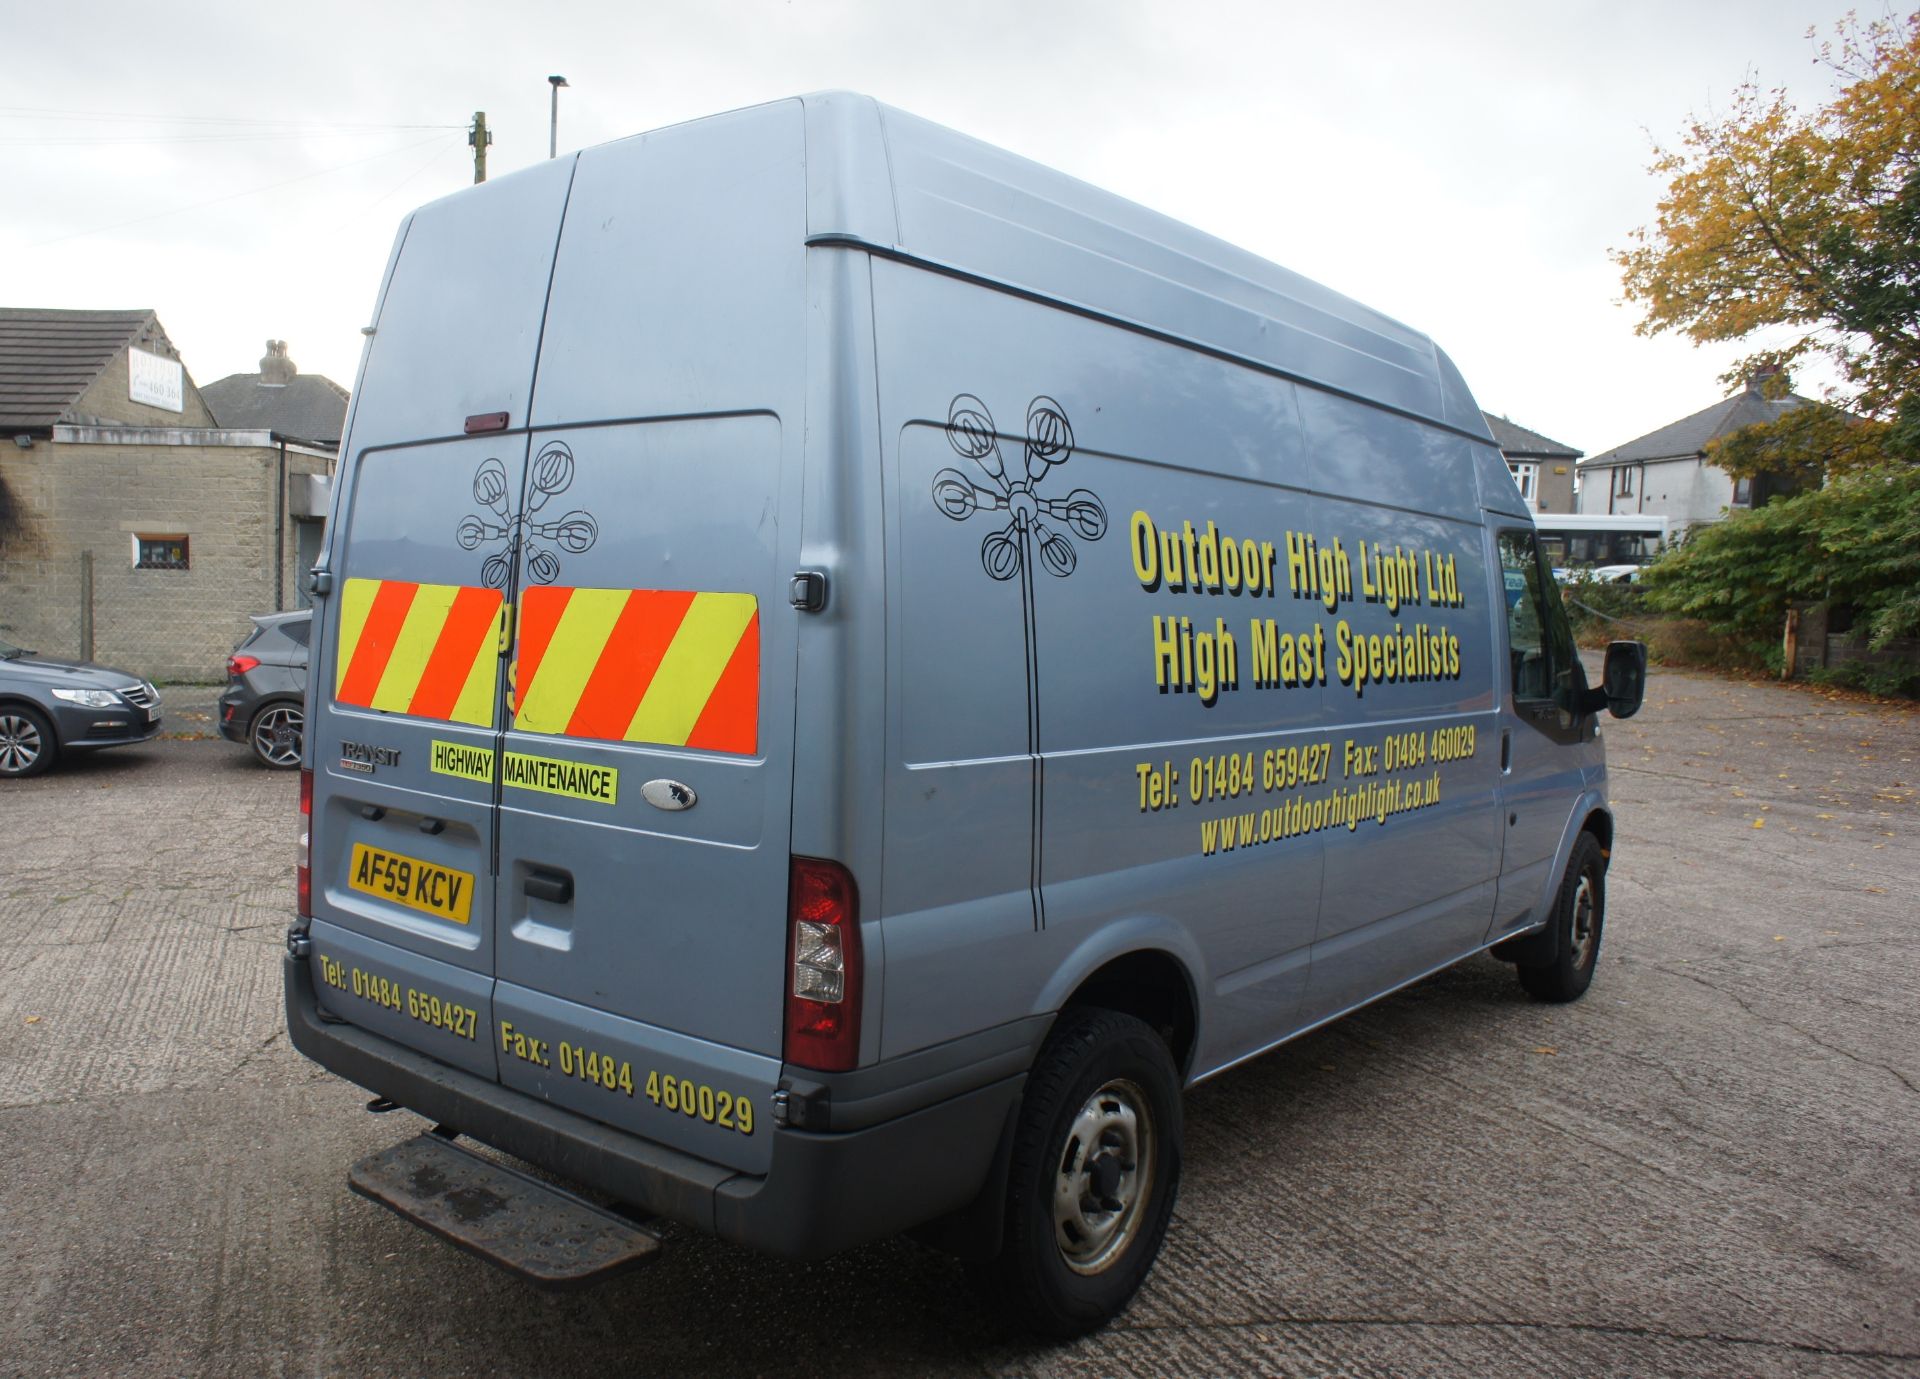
(1578, 918)
(1093, 1175)
(27, 746)
(278, 734)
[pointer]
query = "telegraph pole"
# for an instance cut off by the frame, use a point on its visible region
(553, 126)
(479, 136)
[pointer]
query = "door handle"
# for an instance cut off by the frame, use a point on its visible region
(553, 886)
(1506, 749)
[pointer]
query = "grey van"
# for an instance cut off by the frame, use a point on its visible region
(850, 668)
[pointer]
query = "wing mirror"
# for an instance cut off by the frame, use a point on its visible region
(1623, 681)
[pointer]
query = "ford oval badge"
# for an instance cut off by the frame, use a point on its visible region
(669, 794)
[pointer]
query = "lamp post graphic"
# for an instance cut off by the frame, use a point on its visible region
(1009, 552)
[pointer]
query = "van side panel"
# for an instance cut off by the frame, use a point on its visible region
(1409, 885)
(1234, 676)
(988, 629)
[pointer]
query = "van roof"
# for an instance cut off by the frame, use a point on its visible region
(901, 185)
(898, 185)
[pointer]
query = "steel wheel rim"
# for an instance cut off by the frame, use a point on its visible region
(1581, 932)
(1103, 1177)
(20, 743)
(276, 736)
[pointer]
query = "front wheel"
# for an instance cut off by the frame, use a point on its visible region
(1579, 915)
(278, 734)
(1093, 1175)
(27, 745)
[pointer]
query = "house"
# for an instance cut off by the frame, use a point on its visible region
(1542, 468)
(1665, 473)
(281, 399)
(135, 529)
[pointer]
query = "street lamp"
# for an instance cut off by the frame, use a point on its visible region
(553, 127)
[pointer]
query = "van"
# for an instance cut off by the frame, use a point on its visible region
(850, 668)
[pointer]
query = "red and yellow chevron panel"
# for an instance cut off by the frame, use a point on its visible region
(431, 650)
(640, 665)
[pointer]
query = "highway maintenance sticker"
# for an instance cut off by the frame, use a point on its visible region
(550, 775)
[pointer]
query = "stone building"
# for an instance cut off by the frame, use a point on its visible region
(1542, 469)
(135, 529)
(280, 398)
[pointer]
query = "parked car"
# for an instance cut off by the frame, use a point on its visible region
(1617, 574)
(48, 707)
(264, 702)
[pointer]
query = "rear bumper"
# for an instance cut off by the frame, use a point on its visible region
(232, 713)
(822, 1192)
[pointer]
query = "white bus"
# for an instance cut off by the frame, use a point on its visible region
(1572, 540)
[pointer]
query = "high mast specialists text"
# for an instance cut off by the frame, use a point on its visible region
(1207, 662)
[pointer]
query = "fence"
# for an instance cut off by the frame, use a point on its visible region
(164, 624)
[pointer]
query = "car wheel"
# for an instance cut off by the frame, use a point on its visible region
(1093, 1174)
(1578, 918)
(27, 746)
(278, 735)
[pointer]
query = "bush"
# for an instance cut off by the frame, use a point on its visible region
(1888, 680)
(1854, 543)
(1601, 613)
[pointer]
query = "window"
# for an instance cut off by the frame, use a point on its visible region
(1743, 493)
(160, 552)
(1542, 662)
(1623, 483)
(1526, 477)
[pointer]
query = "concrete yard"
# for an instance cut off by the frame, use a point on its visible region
(1709, 1166)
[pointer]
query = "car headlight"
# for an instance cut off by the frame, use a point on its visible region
(92, 699)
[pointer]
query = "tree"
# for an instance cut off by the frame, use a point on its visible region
(1776, 220)
(1805, 444)
(1855, 543)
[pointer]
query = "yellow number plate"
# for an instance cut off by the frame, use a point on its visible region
(408, 881)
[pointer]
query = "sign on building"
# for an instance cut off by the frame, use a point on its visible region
(156, 381)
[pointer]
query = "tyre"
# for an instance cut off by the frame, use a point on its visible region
(27, 745)
(1093, 1174)
(1579, 915)
(278, 734)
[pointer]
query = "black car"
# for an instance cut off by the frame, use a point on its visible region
(48, 707)
(264, 704)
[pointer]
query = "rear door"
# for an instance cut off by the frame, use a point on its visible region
(407, 650)
(647, 769)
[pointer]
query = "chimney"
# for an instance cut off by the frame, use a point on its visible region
(276, 370)
(1769, 381)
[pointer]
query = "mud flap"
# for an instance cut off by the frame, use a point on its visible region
(542, 1233)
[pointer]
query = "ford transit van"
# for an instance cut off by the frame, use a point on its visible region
(850, 668)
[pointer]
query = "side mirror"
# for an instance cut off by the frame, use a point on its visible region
(1623, 681)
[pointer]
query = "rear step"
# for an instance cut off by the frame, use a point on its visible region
(530, 1228)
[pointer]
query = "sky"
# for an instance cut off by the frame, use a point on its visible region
(1464, 168)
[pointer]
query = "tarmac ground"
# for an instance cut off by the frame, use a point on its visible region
(1710, 1166)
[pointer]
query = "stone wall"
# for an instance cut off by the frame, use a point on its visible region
(66, 498)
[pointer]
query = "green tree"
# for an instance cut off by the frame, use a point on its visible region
(1854, 542)
(1779, 221)
(1807, 442)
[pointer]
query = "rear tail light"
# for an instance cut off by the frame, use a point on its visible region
(303, 855)
(823, 993)
(240, 665)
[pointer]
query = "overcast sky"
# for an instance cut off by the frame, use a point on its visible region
(1463, 167)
